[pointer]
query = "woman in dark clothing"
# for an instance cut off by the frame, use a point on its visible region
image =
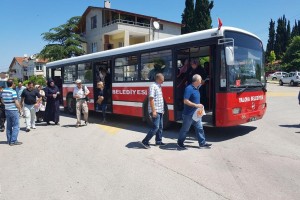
(52, 106)
(101, 100)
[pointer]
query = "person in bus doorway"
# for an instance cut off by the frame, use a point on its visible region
(30, 101)
(101, 102)
(52, 95)
(12, 109)
(156, 110)
(80, 93)
(191, 104)
(195, 69)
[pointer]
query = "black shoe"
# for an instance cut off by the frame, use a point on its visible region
(27, 129)
(145, 145)
(206, 145)
(15, 143)
(181, 146)
(48, 123)
(57, 123)
(160, 144)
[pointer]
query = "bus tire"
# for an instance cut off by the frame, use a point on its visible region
(71, 104)
(147, 117)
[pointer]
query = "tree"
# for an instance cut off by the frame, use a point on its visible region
(63, 41)
(188, 17)
(295, 30)
(202, 19)
(281, 39)
(272, 57)
(271, 40)
(292, 55)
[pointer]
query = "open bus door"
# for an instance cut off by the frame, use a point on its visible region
(103, 72)
(205, 56)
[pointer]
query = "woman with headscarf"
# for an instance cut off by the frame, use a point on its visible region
(52, 106)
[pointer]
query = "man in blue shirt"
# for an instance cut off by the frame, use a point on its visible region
(12, 108)
(191, 104)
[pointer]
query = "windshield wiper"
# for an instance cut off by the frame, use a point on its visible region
(243, 89)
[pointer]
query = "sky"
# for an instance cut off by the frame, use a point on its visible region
(23, 22)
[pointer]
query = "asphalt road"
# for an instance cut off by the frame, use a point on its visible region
(259, 160)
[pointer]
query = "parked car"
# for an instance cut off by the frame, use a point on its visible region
(293, 78)
(276, 76)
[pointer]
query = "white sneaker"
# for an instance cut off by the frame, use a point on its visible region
(33, 127)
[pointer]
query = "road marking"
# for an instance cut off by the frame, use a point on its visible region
(109, 129)
(282, 94)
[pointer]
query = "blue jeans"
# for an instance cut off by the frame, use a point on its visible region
(103, 107)
(12, 126)
(187, 122)
(156, 129)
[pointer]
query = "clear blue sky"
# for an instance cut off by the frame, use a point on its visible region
(22, 22)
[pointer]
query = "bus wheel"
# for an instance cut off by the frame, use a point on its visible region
(71, 105)
(147, 117)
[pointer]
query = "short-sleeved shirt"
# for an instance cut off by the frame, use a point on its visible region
(80, 92)
(30, 96)
(156, 92)
(9, 96)
(193, 95)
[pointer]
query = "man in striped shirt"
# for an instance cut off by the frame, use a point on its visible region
(12, 108)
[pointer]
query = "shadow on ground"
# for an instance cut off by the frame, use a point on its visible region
(136, 124)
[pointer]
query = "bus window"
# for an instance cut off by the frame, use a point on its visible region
(156, 62)
(126, 69)
(85, 72)
(69, 74)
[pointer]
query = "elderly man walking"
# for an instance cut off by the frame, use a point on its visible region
(156, 110)
(191, 104)
(80, 93)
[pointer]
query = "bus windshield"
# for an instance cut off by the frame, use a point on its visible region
(248, 68)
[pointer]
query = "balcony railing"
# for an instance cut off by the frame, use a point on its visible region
(121, 21)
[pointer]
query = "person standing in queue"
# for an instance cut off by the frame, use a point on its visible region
(80, 93)
(191, 104)
(52, 107)
(156, 110)
(101, 100)
(30, 101)
(12, 109)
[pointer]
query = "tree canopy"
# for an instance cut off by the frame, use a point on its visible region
(188, 17)
(292, 56)
(63, 41)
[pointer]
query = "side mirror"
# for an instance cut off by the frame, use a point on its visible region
(229, 53)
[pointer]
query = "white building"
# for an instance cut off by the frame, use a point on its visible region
(105, 28)
(24, 67)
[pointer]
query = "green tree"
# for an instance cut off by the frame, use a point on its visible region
(292, 55)
(280, 37)
(202, 19)
(272, 57)
(188, 17)
(63, 41)
(295, 30)
(37, 80)
(271, 40)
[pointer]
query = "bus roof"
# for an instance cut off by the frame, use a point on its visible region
(205, 34)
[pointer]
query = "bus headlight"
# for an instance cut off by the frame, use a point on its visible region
(236, 111)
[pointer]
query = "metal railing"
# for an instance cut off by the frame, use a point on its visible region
(121, 21)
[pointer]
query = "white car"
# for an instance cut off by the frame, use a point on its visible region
(293, 78)
(277, 75)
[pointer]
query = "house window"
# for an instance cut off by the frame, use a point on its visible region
(121, 44)
(161, 27)
(39, 67)
(94, 47)
(94, 22)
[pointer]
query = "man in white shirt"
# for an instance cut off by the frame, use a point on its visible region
(80, 93)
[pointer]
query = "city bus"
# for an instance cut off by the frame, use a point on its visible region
(234, 91)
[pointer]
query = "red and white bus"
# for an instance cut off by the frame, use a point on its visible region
(234, 93)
